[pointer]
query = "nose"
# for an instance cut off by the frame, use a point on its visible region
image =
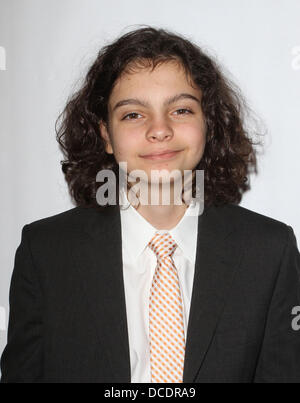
(159, 130)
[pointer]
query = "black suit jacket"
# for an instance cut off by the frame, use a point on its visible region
(67, 303)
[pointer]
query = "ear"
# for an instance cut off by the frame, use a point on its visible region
(105, 135)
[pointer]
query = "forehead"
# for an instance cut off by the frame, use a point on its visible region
(143, 76)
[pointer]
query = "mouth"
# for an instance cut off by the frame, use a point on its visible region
(164, 155)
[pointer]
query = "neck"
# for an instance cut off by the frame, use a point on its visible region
(162, 217)
(159, 214)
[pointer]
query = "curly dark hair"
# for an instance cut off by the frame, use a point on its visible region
(229, 153)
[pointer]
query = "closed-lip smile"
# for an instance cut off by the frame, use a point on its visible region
(161, 154)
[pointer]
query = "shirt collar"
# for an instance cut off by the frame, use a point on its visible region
(137, 231)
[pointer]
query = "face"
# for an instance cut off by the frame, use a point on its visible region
(151, 112)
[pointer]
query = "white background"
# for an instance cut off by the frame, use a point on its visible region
(48, 46)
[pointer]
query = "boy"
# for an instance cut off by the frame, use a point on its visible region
(155, 292)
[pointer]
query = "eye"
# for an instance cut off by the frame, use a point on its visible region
(183, 111)
(131, 116)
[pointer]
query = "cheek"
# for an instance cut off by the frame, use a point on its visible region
(196, 138)
(125, 145)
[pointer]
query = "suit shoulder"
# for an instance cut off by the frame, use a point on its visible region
(70, 221)
(257, 223)
(263, 235)
(252, 215)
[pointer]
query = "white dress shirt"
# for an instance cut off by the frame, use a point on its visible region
(139, 263)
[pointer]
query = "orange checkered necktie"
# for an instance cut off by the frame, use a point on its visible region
(166, 331)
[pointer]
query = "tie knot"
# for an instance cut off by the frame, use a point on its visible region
(163, 245)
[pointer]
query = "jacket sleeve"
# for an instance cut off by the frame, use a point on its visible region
(279, 360)
(21, 361)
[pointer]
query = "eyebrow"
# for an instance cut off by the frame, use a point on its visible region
(169, 101)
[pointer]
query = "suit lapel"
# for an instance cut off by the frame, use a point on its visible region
(102, 277)
(218, 255)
